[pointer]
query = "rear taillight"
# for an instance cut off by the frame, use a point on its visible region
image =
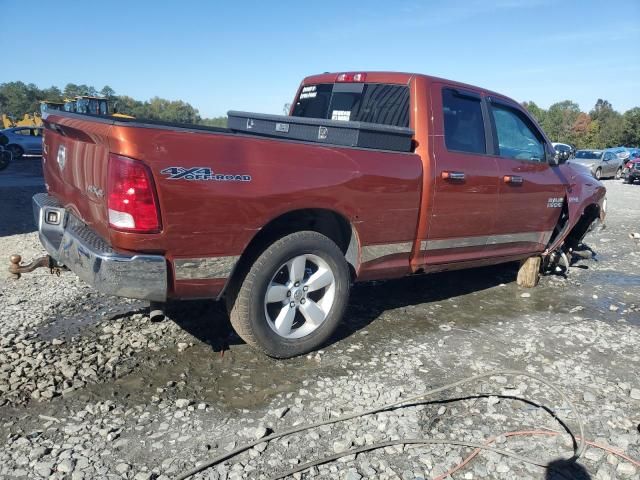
(131, 198)
(351, 77)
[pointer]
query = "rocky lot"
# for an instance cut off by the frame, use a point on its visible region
(91, 388)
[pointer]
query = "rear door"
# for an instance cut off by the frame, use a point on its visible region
(532, 192)
(465, 178)
(610, 163)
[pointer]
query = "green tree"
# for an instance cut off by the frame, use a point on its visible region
(214, 122)
(559, 119)
(538, 113)
(107, 92)
(630, 135)
(610, 124)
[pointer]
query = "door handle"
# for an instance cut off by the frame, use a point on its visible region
(453, 176)
(513, 179)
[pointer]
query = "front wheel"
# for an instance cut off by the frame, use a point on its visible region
(618, 173)
(16, 151)
(598, 173)
(293, 297)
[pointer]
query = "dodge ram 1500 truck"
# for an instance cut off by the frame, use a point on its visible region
(279, 222)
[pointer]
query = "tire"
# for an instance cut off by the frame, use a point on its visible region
(5, 158)
(16, 150)
(618, 173)
(287, 270)
(598, 174)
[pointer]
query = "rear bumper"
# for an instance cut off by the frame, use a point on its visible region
(79, 248)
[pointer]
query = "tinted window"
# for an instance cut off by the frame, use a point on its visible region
(463, 124)
(588, 155)
(368, 102)
(516, 137)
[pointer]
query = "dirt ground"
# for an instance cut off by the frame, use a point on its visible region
(91, 388)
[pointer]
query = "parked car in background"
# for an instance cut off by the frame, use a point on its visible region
(631, 171)
(621, 152)
(601, 163)
(564, 150)
(24, 141)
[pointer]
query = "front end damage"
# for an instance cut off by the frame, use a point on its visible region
(584, 210)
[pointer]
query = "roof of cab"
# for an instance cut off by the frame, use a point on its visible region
(399, 78)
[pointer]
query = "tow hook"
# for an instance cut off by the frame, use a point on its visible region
(17, 269)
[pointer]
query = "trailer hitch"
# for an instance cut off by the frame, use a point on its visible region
(16, 269)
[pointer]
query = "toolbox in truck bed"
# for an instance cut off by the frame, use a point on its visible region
(334, 132)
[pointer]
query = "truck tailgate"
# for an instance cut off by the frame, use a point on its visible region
(75, 162)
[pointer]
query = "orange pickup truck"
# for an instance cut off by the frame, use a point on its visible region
(372, 175)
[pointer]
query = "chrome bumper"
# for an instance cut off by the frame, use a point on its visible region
(71, 243)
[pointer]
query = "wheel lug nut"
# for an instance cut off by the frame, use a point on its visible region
(302, 300)
(305, 288)
(297, 284)
(292, 304)
(289, 293)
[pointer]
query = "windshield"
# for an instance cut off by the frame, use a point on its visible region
(588, 154)
(361, 102)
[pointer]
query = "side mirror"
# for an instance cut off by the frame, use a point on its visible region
(554, 158)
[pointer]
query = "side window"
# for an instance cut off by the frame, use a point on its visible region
(516, 137)
(22, 132)
(463, 124)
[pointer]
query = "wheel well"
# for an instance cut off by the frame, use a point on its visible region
(580, 229)
(327, 222)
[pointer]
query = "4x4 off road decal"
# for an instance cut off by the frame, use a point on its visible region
(202, 173)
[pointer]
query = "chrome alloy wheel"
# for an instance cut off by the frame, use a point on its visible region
(300, 296)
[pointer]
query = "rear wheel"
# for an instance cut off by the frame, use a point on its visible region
(16, 150)
(618, 173)
(293, 297)
(598, 173)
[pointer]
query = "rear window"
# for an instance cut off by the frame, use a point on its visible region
(360, 102)
(463, 124)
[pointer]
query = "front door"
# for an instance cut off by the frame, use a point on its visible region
(465, 178)
(532, 192)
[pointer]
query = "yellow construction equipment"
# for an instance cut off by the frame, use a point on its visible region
(80, 104)
(92, 105)
(48, 105)
(28, 120)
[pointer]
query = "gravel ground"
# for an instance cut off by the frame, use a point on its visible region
(91, 388)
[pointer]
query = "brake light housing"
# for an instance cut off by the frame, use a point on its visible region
(132, 201)
(351, 77)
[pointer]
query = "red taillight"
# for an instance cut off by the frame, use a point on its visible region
(351, 77)
(131, 197)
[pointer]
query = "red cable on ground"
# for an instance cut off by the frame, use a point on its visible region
(473, 454)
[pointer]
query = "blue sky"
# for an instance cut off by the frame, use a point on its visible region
(240, 55)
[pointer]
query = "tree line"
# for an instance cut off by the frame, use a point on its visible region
(564, 122)
(601, 127)
(18, 98)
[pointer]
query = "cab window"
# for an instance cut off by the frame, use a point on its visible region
(517, 138)
(463, 124)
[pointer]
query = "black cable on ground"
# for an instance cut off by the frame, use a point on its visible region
(243, 448)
